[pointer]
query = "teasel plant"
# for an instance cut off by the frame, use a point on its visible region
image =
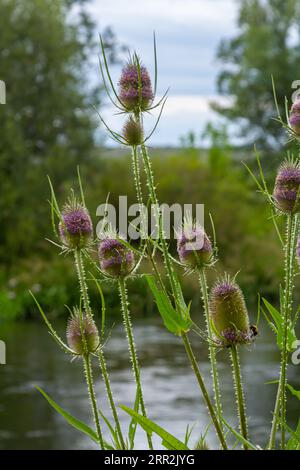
(197, 253)
(117, 262)
(135, 98)
(74, 233)
(82, 342)
(284, 201)
(230, 324)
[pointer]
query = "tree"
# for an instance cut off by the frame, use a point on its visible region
(268, 44)
(47, 125)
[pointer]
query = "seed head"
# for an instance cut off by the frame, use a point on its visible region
(75, 228)
(133, 132)
(294, 118)
(116, 259)
(286, 190)
(229, 313)
(82, 334)
(193, 246)
(135, 89)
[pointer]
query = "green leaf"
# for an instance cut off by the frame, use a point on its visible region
(239, 436)
(168, 441)
(76, 423)
(113, 432)
(277, 327)
(80, 186)
(133, 423)
(294, 441)
(50, 327)
(171, 318)
(294, 392)
(185, 309)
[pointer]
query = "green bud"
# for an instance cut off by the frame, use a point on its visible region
(229, 313)
(82, 334)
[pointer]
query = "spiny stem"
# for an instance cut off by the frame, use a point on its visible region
(89, 381)
(238, 385)
(280, 404)
(82, 283)
(211, 348)
(132, 349)
(136, 174)
(176, 294)
(208, 402)
(105, 376)
(138, 188)
(86, 303)
(158, 217)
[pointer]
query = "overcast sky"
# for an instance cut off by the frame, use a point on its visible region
(188, 33)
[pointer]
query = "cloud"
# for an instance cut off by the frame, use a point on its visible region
(181, 114)
(192, 12)
(188, 33)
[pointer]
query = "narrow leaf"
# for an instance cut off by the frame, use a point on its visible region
(74, 422)
(168, 440)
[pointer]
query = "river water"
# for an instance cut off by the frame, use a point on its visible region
(171, 393)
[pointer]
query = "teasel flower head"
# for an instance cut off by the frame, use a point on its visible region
(116, 259)
(75, 227)
(229, 314)
(194, 248)
(133, 132)
(133, 95)
(294, 118)
(287, 187)
(135, 88)
(82, 333)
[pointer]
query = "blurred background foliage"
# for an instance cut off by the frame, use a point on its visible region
(47, 127)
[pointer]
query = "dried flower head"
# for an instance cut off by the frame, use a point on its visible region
(82, 334)
(193, 245)
(229, 313)
(75, 227)
(133, 132)
(286, 190)
(116, 259)
(135, 88)
(294, 118)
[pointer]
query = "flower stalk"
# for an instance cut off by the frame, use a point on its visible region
(279, 413)
(132, 348)
(238, 385)
(176, 294)
(211, 347)
(203, 389)
(158, 218)
(86, 303)
(90, 384)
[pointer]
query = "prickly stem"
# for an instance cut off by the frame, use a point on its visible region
(86, 303)
(238, 385)
(132, 348)
(203, 389)
(280, 404)
(211, 348)
(82, 282)
(90, 384)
